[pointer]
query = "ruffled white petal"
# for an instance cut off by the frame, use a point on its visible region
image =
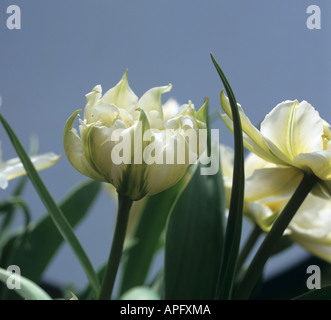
(14, 168)
(286, 126)
(3, 181)
(318, 162)
(151, 103)
(121, 95)
(272, 183)
(75, 153)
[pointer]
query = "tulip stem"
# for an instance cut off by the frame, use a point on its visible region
(256, 266)
(124, 205)
(246, 250)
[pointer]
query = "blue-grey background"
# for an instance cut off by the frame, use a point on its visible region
(66, 47)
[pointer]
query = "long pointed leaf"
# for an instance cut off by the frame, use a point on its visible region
(27, 289)
(56, 214)
(43, 238)
(194, 239)
(234, 224)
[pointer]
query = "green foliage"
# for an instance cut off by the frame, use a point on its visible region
(194, 239)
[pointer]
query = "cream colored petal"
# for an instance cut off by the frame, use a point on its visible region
(3, 181)
(151, 100)
(293, 128)
(74, 150)
(271, 184)
(320, 250)
(253, 162)
(322, 189)
(107, 114)
(313, 220)
(165, 175)
(317, 162)
(253, 138)
(92, 99)
(252, 145)
(170, 109)
(311, 227)
(259, 213)
(133, 179)
(227, 158)
(14, 168)
(121, 95)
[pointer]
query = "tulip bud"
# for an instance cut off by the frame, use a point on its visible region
(135, 144)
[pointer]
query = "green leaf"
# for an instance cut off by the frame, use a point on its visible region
(195, 238)
(317, 294)
(43, 238)
(6, 223)
(55, 212)
(27, 289)
(234, 224)
(147, 234)
(140, 293)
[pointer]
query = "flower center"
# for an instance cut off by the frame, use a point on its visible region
(326, 136)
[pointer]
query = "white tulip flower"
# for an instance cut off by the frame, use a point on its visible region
(311, 225)
(295, 138)
(135, 144)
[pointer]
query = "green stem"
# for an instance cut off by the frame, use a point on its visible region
(255, 268)
(251, 241)
(124, 205)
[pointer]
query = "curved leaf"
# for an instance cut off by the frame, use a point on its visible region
(55, 212)
(27, 289)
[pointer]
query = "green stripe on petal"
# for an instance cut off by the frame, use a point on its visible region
(74, 150)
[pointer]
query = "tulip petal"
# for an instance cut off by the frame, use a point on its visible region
(151, 101)
(271, 184)
(121, 95)
(170, 109)
(250, 144)
(92, 99)
(3, 181)
(74, 150)
(311, 227)
(286, 126)
(253, 139)
(318, 162)
(260, 214)
(168, 173)
(14, 168)
(322, 189)
(227, 158)
(254, 162)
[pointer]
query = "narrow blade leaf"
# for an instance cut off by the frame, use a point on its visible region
(43, 238)
(194, 239)
(55, 212)
(234, 224)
